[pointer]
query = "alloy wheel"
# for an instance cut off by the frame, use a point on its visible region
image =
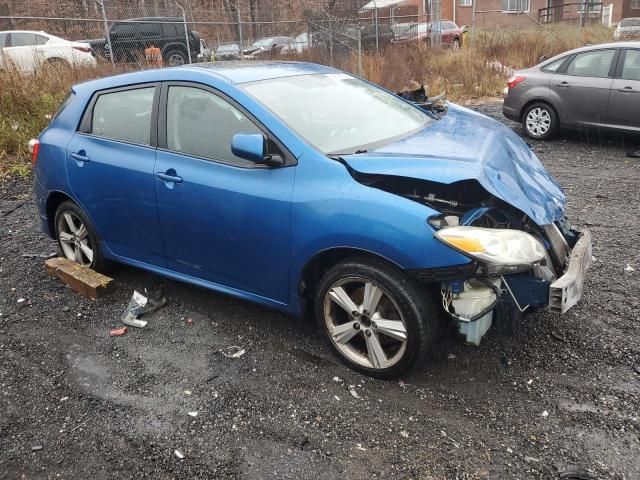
(538, 121)
(74, 239)
(365, 323)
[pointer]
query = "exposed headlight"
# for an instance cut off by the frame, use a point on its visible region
(500, 251)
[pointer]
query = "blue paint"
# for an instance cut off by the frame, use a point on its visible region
(250, 232)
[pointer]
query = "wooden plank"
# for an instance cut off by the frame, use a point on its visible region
(81, 279)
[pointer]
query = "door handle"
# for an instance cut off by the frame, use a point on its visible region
(80, 156)
(627, 90)
(165, 177)
(563, 85)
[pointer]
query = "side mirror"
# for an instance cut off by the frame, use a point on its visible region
(253, 147)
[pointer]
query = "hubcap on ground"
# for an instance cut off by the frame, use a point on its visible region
(74, 239)
(365, 323)
(538, 122)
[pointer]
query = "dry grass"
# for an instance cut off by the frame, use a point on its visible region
(28, 101)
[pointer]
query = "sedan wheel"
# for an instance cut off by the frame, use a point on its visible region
(374, 317)
(74, 239)
(365, 323)
(540, 122)
(76, 236)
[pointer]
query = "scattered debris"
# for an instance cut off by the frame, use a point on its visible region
(39, 255)
(573, 475)
(192, 414)
(139, 305)
(557, 336)
(629, 268)
(352, 391)
(530, 381)
(189, 322)
(509, 450)
(545, 414)
(531, 459)
(81, 279)
(81, 424)
(178, 454)
(64, 399)
(20, 300)
(445, 435)
(337, 379)
(360, 447)
(404, 433)
(233, 352)
(118, 332)
(336, 397)
(36, 448)
(451, 356)
(187, 392)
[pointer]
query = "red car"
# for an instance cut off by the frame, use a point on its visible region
(451, 34)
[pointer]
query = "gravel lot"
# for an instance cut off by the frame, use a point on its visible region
(560, 399)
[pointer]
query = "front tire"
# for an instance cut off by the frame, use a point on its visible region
(77, 237)
(540, 121)
(374, 317)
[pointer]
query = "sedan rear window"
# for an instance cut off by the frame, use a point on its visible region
(338, 113)
(124, 115)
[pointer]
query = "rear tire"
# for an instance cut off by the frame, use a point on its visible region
(540, 121)
(391, 325)
(176, 57)
(77, 237)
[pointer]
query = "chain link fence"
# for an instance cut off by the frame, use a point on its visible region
(171, 32)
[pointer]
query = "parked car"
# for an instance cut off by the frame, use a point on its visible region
(590, 87)
(28, 51)
(306, 189)
(451, 34)
(129, 39)
(300, 43)
(627, 29)
(268, 46)
(228, 51)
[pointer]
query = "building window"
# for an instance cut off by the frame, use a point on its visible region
(635, 4)
(466, 3)
(515, 5)
(592, 6)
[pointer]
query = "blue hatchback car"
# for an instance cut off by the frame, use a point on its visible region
(306, 189)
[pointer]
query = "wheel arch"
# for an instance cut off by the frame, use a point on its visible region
(54, 200)
(316, 266)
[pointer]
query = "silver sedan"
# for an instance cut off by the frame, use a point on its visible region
(590, 87)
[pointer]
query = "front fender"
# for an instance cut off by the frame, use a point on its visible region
(330, 209)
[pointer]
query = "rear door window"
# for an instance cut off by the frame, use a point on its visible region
(594, 64)
(124, 115)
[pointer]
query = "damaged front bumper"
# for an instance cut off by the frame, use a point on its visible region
(565, 292)
(476, 302)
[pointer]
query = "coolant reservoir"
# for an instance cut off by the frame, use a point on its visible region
(475, 298)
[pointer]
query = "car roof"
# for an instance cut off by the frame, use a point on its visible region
(39, 32)
(235, 72)
(587, 48)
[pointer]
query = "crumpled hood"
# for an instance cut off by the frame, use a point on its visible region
(465, 145)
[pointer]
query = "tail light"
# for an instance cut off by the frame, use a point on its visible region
(515, 80)
(83, 49)
(34, 149)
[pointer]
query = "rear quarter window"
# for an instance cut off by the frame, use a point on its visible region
(65, 103)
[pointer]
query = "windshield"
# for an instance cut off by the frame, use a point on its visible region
(337, 113)
(265, 42)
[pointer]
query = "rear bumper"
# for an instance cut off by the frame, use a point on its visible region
(565, 292)
(511, 112)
